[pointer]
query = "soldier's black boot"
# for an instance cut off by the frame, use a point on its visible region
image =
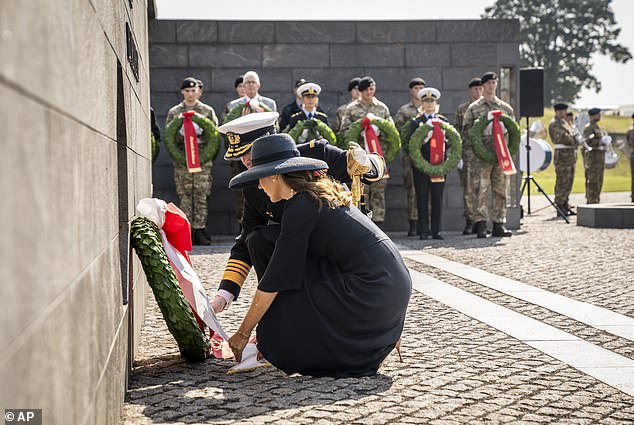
(500, 231)
(481, 229)
(468, 227)
(413, 228)
(200, 237)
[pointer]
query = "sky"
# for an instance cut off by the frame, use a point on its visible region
(617, 88)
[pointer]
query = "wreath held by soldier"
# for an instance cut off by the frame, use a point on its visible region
(209, 136)
(485, 153)
(389, 137)
(315, 129)
(421, 136)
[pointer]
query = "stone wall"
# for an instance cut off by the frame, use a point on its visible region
(75, 140)
(446, 53)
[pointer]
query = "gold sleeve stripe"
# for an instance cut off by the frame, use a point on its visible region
(239, 264)
(236, 278)
(236, 270)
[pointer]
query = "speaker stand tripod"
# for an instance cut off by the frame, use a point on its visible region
(528, 179)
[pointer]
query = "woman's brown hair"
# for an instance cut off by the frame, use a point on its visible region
(322, 188)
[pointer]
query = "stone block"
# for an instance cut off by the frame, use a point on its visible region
(371, 55)
(396, 31)
(289, 55)
(169, 79)
(316, 31)
(168, 55)
(491, 30)
(508, 53)
(330, 79)
(457, 78)
(428, 55)
(245, 32)
(162, 31)
(615, 216)
(474, 54)
(399, 78)
(162, 102)
(226, 55)
(449, 101)
(196, 32)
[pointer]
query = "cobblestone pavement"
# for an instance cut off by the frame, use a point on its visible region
(456, 369)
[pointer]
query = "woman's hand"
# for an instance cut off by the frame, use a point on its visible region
(237, 344)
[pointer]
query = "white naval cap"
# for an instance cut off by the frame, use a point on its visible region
(308, 88)
(242, 131)
(428, 93)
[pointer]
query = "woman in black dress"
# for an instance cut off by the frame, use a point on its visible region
(333, 288)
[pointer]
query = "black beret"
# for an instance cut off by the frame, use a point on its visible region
(300, 82)
(189, 82)
(354, 83)
(475, 82)
(488, 76)
(365, 83)
(594, 111)
(200, 83)
(560, 106)
(416, 82)
(238, 81)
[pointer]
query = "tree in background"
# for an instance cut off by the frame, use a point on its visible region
(561, 36)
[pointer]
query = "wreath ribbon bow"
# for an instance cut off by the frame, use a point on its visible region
(191, 143)
(501, 149)
(437, 148)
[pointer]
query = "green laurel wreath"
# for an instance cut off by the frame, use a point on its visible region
(237, 111)
(181, 322)
(154, 146)
(389, 139)
(418, 139)
(314, 126)
(210, 136)
(485, 153)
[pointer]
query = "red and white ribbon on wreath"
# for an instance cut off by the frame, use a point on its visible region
(372, 143)
(436, 147)
(176, 237)
(499, 143)
(191, 143)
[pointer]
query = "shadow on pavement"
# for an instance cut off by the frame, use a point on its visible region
(172, 389)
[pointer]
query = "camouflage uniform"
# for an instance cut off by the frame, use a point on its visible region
(562, 136)
(466, 178)
(336, 121)
(629, 139)
(375, 193)
(193, 185)
(403, 115)
(487, 176)
(595, 161)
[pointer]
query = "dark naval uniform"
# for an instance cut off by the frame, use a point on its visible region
(425, 188)
(259, 210)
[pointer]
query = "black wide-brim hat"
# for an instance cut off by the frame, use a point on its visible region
(271, 155)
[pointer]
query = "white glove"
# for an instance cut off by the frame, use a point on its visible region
(197, 128)
(359, 154)
(606, 140)
(218, 304)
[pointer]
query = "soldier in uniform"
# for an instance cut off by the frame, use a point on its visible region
(201, 87)
(475, 91)
(367, 103)
(629, 139)
(258, 208)
(488, 177)
(193, 188)
(294, 107)
(595, 138)
(426, 189)
(251, 82)
(309, 92)
(563, 137)
(405, 113)
(353, 88)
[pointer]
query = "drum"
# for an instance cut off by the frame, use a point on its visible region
(541, 155)
(611, 157)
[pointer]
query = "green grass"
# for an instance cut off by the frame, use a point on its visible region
(617, 179)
